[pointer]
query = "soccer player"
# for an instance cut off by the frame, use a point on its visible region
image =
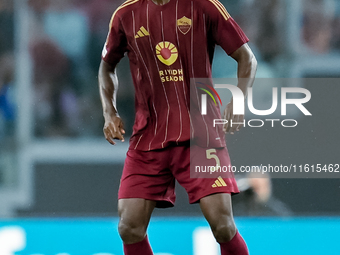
(169, 42)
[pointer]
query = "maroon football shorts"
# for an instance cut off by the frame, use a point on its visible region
(151, 175)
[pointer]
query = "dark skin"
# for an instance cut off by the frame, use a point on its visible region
(135, 213)
(246, 71)
(108, 84)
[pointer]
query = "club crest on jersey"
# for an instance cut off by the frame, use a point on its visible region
(167, 53)
(184, 25)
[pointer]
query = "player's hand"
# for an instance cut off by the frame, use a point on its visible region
(114, 129)
(230, 126)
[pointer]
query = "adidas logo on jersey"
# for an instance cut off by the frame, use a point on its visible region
(219, 183)
(142, 32)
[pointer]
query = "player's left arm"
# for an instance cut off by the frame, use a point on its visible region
(246, 71)
(227, 33)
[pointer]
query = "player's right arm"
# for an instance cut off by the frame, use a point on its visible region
(113, 51)
(108, 85)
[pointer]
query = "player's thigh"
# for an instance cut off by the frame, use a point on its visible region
(217, 209)
(135, 211)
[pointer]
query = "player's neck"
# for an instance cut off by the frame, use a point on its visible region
(160, 2)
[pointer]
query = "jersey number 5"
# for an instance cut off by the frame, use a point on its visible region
(211, 154)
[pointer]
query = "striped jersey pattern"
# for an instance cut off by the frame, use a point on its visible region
(168, 46)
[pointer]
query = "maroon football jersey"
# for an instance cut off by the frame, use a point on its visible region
(167, 46)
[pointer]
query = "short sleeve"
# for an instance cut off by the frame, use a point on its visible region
(116, 42)
(224, 29)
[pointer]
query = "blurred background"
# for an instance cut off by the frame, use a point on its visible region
(59, 177)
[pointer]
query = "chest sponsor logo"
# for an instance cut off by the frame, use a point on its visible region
(167, 53)
(169, 75)
(184, 25)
